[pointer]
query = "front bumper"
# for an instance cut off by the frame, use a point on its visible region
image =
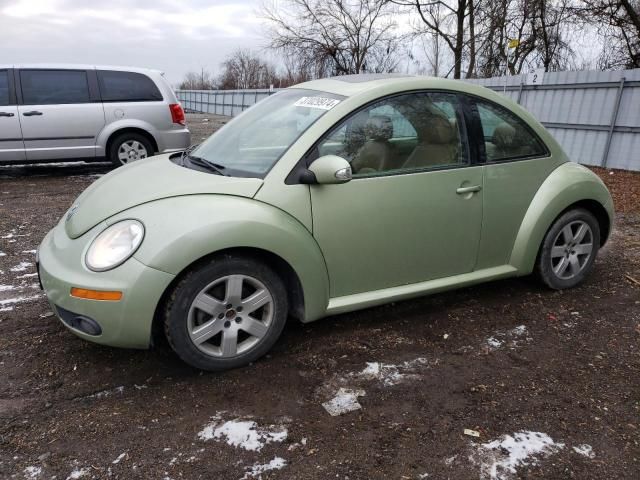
(125, 323)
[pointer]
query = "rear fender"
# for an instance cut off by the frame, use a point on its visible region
(568, 184)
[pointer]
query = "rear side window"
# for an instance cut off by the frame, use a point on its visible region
(127, 87)
(506, 137)
(4, 88)
(53, 87)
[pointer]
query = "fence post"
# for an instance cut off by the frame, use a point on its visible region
(520, 91)
(242, 108)
(612, 124)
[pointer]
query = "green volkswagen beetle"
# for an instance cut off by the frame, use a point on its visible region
(327, 197)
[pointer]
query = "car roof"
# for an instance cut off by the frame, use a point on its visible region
(352, 85)
(79, 66)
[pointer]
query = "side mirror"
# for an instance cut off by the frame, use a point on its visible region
(331, 169)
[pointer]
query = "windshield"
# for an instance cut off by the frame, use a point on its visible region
(250, 144)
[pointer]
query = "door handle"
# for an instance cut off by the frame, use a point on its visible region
(472, 189)
(5, 114)
(32, 113)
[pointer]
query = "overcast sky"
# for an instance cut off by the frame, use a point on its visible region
(174, 36)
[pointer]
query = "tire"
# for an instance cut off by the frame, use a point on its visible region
(139, 147)
(569, 249)
(205, 311)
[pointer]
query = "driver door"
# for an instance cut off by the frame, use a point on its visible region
(410, 216)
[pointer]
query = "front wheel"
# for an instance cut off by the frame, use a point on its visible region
(569, 249)
(226, 314)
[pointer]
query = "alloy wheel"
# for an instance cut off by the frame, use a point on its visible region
(230, 316)
(572, 249)
(131, 150)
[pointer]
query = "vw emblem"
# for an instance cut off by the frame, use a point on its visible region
(72, 211)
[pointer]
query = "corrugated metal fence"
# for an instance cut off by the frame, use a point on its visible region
(595, 116)
(221, 102)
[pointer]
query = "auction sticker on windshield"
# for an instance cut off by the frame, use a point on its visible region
(322, 103)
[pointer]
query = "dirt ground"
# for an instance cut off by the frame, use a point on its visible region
(549, 380)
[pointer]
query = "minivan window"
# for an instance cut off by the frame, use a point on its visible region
(51, 87)
(4, 88)
(127, 87)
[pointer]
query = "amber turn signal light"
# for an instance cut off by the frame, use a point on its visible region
(95, 294)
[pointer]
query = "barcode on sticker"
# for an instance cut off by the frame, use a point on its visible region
(322, 103)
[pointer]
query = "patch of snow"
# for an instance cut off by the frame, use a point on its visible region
(32, 472)
(345, 401)
(78, 473)
(27, 275)
(585, 450)
(2, 254)
(120, 457)
(257, 470)
(390, 374)
(500, 458)
(30, 251)
(11, 301)
(106, 393)
(297, 445)
(6, 288)
(245, 434)
(511, 338)
(450, 460)
(21, 267)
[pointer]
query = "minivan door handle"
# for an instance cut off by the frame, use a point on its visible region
(5, 114)
(472, 189)
(32, 113)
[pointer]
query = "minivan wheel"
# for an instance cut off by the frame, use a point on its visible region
(226, 313)
(569, 249)
(129, 147)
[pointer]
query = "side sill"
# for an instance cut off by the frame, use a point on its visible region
(358, 301)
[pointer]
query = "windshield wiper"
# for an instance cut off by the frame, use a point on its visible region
(201, 162)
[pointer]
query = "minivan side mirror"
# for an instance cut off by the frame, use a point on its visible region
(331, 169)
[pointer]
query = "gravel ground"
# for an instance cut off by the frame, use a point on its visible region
(548, 380)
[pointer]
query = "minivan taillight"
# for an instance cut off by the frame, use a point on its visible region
(177, 113)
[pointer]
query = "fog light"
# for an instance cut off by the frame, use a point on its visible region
(96, 294)
(81, 323)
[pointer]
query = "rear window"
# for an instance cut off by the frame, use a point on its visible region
(127, 87)
(51, 87)
(4, 87)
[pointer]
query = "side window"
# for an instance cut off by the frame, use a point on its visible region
(51, 87)
(506, 137)
(127, 87)
(409, 132)
(4, 88)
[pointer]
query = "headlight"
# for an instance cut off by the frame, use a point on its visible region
(114, 245)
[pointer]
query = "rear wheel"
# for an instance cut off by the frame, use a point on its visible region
(226, 314)
(129, 147)
(569, 249)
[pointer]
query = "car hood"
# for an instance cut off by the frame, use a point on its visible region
(145, 181)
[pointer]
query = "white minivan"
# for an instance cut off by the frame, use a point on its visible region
(79, 112)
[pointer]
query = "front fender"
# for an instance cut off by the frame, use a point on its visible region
(181, 230)
(568, 184)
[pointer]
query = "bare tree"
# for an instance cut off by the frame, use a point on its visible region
(334, 36)
(244, 69)
(198, 81)
(453, 21)
(618, 22)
